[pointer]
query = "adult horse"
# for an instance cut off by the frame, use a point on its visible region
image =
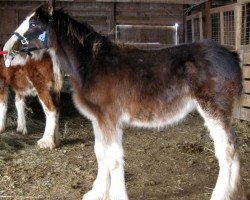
(117, 85)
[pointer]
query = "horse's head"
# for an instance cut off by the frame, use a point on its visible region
(30, 36)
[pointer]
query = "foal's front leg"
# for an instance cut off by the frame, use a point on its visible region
(50, 137)
(110, 182)
(3, 107)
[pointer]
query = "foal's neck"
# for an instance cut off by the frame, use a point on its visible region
(72, 30)
(78, 46)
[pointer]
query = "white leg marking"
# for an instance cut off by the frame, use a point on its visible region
(235, 172)
(227, 158)
(116, 167)
(21, 121)
(50, 137)
(102, 183)
(3, 111)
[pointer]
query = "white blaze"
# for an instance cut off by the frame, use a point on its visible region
(22, 29)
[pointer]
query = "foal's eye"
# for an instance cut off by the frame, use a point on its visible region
(32, 24)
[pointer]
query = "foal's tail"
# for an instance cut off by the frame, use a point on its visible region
(238, 61)
(238, 96)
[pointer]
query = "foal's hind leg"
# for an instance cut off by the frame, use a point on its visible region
(225, 150)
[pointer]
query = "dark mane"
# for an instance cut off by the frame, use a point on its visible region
(71, 27)
(78, 37)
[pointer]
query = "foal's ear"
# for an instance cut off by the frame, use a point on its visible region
(51, 7)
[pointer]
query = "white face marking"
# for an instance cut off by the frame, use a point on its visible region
(22, 29)
(24, 26)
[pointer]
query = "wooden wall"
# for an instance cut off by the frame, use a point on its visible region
(102, 15)
(230, 27)
(244, 111)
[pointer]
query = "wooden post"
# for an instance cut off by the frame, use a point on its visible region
(208, 33)
(238, 25)
(184, 22)
(192, 22)
(112, 21)
(200, 26)
(221, 28)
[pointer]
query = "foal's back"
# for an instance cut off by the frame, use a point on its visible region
(32, 74)
(157, 88)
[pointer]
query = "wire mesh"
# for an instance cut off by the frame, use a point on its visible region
(215, 27)
(223, 26)
(147, 34)
(229, 28)
(245, 33)
(196, 29)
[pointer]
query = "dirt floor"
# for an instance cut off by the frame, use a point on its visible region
(177, 163)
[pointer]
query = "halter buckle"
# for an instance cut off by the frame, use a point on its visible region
(24, 41)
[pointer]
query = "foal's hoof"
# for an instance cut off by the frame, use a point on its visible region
(46, 143)
(95, 195)
(2, 130)
(21, 131)
(118, 197)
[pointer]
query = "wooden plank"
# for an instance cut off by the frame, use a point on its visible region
(192, 22)
(243, 1)
(156, 1)
(221, 28)
(245, 101)
(238, 25)
(174, 10)
(112, 21)
(246, 58)
(201, 25)
(147, 22)
(229, 7)
(245, 48)
(208, 33)
(139, 1)
(246, 71)
(196, 15)
(245, 114)
(89, 6)
(246, 87)
(155, 13)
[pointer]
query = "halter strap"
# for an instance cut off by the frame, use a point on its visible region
(24, 42)
(42, 37)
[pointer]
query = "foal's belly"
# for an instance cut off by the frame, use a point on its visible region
(162, 116)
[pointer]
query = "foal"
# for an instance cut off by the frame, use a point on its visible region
(36, 77)
(118, 85)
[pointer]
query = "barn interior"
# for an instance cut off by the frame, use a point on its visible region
(176, 163)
